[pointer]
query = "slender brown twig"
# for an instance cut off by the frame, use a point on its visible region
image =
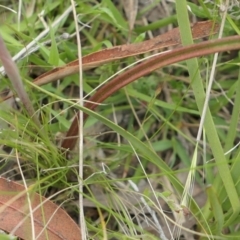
(15, 78)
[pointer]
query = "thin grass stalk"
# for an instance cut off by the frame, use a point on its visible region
(80, 123)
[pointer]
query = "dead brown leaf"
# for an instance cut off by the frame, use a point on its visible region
(50, 221)
(171, 38)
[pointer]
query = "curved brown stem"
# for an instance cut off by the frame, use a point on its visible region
(146, 67)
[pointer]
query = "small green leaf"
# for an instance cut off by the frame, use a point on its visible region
(140, 38)
(54, 55)
(114, 13)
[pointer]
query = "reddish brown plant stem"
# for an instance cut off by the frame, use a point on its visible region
(144, 68)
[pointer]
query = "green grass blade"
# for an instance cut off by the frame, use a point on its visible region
(197, 85)
(217, 210)
(234, 119)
